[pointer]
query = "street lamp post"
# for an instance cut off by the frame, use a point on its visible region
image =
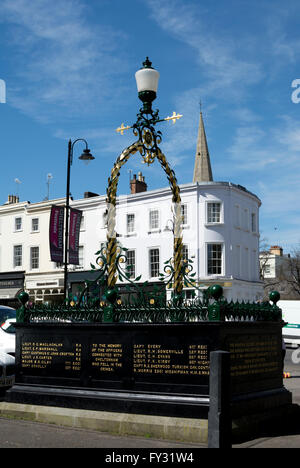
(86, 156)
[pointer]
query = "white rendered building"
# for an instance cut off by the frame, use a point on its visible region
(273, 262)
(220, 236)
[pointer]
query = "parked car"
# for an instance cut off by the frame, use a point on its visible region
(7, 330)
(7, 370)
(291, 315)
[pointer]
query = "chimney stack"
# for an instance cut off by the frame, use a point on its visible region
(12, 199)
(276, 250)
(90, 194)
(138, 185)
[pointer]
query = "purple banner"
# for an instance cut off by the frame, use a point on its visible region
(56, 233)
(74, 231)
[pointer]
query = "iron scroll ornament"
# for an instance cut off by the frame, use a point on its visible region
(147, 146)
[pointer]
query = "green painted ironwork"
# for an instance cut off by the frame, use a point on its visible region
(193, 311)
(148, 146)
(144, 306)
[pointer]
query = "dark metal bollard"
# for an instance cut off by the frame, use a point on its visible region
(219, 416)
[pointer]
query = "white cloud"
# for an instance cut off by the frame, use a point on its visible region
(280, 210)
(267, 146)
(250, 149)
(224, 74)
(283, 46)
(245, 115)
(216, 56)
(290, 135)
(63, 61)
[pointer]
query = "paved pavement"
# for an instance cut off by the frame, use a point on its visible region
(20, 434)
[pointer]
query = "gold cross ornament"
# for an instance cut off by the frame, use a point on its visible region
(122, 129)
(174, 117)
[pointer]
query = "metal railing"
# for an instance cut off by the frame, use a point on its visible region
(213, 308)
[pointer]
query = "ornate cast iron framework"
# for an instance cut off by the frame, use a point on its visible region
(111, 206)
(147, 146)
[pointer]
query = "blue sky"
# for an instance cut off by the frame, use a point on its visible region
(69, 70)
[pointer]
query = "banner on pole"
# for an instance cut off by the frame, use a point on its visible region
(74, 231)
(56, 233)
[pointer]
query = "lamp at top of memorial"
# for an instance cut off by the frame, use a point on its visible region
(147, 83)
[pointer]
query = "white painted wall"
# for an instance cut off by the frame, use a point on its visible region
(240, 262)
(242, 273)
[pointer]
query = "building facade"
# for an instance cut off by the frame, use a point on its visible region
(24, 251)
(220, 235)
(280, 271)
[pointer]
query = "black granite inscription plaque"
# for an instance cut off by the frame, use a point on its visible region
(255, 362)
(162, 358)
(144, 358)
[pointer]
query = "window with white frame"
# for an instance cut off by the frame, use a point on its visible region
(35, 224)
(185, 252)
(214, 259)
(18, 224)
(267, 269)
(130, 255)
(153, 219)
(189, 294)
(130, 223)
(34, 258)
(154, 262)
(213, 212)
(80, 257)
(184, 214)
(17, 260)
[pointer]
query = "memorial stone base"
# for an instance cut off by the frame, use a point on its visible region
(153, 369)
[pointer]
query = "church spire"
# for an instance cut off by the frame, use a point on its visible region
(202, 169)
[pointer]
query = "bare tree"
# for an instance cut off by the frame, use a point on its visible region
(264, 255)
(292, 273)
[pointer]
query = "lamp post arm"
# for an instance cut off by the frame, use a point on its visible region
(79, 139)
(71, 147)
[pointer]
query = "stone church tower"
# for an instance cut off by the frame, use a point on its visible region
(202, 169)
